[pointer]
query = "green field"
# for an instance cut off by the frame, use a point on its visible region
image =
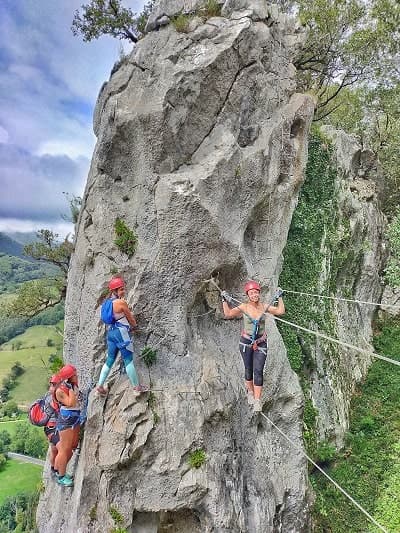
(18, 477)
(31, 354)
(11, 426)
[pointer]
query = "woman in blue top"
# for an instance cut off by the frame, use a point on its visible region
(119, 338)
(253, 342)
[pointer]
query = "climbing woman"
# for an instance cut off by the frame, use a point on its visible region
(120, 326)
(50, 429)
(253, 341)
(66, 394)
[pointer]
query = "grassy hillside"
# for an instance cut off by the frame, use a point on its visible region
(9, 246)
(32, 350)
(15, 270)
(19, 477)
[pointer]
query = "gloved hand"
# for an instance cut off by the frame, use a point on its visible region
(226, 297)
(279, 293)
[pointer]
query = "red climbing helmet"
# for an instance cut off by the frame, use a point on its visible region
(65, 373)
(251, 285)
(116, 283)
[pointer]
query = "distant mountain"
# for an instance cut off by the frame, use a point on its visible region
(22, 237)
(11, 247)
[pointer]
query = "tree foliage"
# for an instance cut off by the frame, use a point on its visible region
(35, 296)
(49, 249)
(104, 17)
(110, 17)
(349, 43)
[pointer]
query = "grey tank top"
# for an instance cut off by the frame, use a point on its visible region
(248, 325)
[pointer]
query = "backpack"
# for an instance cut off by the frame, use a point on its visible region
(106, 313)
(42, 411)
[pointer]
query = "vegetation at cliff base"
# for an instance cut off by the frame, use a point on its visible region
(18, 511)
(368, 467)
(393, 268)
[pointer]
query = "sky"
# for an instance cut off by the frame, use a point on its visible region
(49, 82)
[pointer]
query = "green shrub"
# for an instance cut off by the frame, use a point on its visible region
(197, 458)
(181, 23)
(126, 239)
(211, 9)
(149, 355)
(116, 515)
(93, 513)
(325, 453)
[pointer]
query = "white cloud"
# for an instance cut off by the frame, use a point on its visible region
(12, 225)
(49, 81)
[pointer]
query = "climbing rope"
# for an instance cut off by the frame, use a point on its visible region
(322, 335)
(376, 304)
(325, 474)
(337, 341)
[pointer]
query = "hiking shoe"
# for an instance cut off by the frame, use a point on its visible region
(102, 391)
(65, 481)
(257, 407)
(250, 398)
(139, 389)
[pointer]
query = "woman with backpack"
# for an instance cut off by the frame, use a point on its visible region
(253, 341)
(50, 429)
(68, 422)
(118, 317)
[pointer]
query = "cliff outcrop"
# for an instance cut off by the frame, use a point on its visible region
(363, 249)
(202, 143)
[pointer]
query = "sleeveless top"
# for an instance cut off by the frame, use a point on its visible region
(248, 325)
(121, 319)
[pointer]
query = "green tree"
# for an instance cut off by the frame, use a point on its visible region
(35, 445)
(105, 17)
(10, 408)
(349, 42)
(35, 296)
(19, 438)
(5, 438)
(17, 370)
(109, 17)
(3, 461)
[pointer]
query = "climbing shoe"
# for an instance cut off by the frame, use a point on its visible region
(250, 398)
(102, 391)
(257, 407)
(65, 481)
(139, 389)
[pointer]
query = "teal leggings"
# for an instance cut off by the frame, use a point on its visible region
(118, 340)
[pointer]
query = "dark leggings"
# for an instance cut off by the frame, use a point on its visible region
(254, 360)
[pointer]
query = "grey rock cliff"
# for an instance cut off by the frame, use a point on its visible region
(201, 149)
(334, 379)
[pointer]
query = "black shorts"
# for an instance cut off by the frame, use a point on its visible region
(52, 435)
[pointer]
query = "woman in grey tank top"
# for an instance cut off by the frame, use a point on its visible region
(253, 343)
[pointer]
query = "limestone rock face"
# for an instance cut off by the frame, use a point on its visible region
(333, 381)
(201, 148)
